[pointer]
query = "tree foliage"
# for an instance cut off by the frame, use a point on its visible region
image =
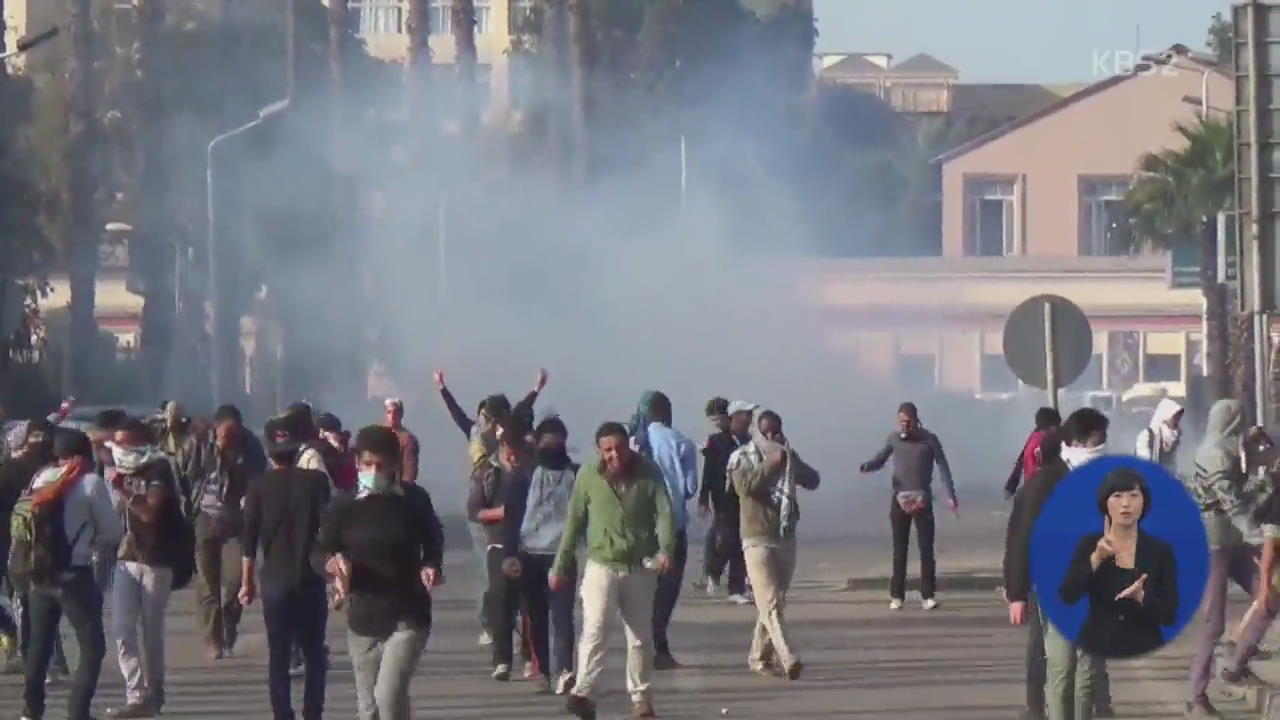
(1221, 39)
(1177, 188)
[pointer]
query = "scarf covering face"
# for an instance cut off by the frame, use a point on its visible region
(640, 422)
(1160, 427)
(1075, 457)
(129, 459)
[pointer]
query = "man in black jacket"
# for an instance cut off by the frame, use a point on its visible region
(724, 540)
(1027, 503)
(282, 512)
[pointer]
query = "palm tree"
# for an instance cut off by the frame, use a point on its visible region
(418, 28)
(580, 92)
(464, 38)
(1176, 195)
(85, 230)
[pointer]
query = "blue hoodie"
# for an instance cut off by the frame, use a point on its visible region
(677, 457)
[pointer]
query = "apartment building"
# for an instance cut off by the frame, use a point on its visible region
(1036, 206)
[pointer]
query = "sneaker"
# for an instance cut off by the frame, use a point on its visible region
(664, 661)
(739, 599)
(895, 604)
(502, 673)
(485, 639)
(1202, 708)
(711, 587)
(794, 670)
(581, 707)
(929, 603)
(530, 672)
(212, 651)
(643, 709)
(542, 685)
(132, 710)
(565, 681)
(1244, 677)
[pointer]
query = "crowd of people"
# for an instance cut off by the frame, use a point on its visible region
(309, 521)
(1231, 479)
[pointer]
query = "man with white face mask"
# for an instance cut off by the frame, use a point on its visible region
(1159, 441)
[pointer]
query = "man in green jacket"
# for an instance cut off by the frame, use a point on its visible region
(765, 474)
(620, 505)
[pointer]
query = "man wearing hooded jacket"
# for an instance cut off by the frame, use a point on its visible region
(1159, 441)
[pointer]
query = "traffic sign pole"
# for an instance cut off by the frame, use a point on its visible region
(1050, 369)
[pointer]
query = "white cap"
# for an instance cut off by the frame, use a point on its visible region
(740, 406)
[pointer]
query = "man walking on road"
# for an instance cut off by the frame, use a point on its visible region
(221, 468)
(677, 458)
(620, 505)
(765, 474)
(915, 452)
(282, 514)
(1218, 485)
(409, 448)
(732, 422)
(153, 520)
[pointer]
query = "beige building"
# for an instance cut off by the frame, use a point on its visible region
(1036, 207)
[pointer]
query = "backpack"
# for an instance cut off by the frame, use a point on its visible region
(39, 552)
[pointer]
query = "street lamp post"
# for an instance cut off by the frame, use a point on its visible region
(214, 279)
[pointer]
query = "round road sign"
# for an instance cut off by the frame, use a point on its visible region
(1024, 341)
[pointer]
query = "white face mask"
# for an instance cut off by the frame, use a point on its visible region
(1074, 456)
(128, 459)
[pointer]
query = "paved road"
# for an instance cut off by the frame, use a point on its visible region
(958, 662)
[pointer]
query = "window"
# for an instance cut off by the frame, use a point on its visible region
(917, 371)
(522, 17)
(991, 226)
(996, 375)
(1162, 367)
(377, 17)
(1104, 224)
(442, 16)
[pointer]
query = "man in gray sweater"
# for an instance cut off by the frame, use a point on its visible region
(915, 452)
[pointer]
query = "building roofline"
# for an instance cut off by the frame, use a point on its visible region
(1078, 96)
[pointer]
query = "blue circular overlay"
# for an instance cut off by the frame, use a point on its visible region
(1071, 512)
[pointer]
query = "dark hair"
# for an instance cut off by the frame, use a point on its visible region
(228, 413)
(910, 410)
(769, 415)
(328, 422)
(379, 440)
(512, 435)
(135, 426)
(717, 406)
(611, 429)
(1083, 423)
(1047, 417)
(1050, 447)
(109, 419)
(660, 408)
(549, 426)
(498, 407)
(69, 443)
(1123, 480)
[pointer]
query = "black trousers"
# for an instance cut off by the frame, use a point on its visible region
(668, 594)
(901, 523)
(724, 547)
(79, 598)
(296, 615)
(549, 627)
(502, 605)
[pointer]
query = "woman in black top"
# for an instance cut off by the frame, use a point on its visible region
(1131, 577)
(385, 553)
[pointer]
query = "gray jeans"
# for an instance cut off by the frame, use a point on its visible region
(383, 668)
(1071, 677)
(139, 596)
(480, 545)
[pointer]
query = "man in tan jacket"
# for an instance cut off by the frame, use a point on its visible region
(765, 474)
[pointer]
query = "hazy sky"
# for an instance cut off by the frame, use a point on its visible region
(1040, 41)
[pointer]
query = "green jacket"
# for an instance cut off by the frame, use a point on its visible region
(622, 529)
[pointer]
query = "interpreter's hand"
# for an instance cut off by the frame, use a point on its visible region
(1136, 592)
(247, 593)
(661, 563)
(438, 377)
(511, 567)
(1103, 550)
(555, 583)
(431, 578)
(1018, 613)
(541, 381)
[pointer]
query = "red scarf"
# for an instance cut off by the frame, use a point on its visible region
(71, 474)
